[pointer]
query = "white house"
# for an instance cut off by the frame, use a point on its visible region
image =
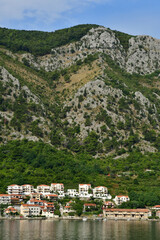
(57, 187)
(72, 193)
(156, 207)
(68, 208)
(27, 189)
(30, 210)
(44, 189)
(120, 199)
(108, 204)
(84, 190)
(101, 192)
(5, 199)
(14, 189)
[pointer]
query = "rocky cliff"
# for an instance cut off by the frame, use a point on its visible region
(99, 94)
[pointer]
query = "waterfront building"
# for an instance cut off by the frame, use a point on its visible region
(30, 210)
(134, 214)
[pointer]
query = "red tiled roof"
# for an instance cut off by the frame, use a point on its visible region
(122, 196)
(5, 195)
(18, 195)
(126, 210)
(108, 202)
(67, 206)
(52, 195)
(85, 184)
(11, 209)
(157, 206)
(30, 205)
(35, 200)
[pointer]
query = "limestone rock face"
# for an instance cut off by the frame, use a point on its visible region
(143, 55)
(99, 40)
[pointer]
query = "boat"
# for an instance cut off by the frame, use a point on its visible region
(84, 219)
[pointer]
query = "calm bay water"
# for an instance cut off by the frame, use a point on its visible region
(78, 230)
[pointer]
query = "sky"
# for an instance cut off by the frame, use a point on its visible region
(136, 17)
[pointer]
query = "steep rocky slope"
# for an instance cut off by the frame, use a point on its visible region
(90, 95)
(142, 55)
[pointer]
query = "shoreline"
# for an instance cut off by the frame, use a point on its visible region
(78, 218)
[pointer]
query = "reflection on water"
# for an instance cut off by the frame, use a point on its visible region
(78, 230)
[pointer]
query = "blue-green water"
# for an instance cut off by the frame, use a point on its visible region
(78, 230)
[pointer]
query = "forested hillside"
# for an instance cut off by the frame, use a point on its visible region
(41, 43)
(38, 163)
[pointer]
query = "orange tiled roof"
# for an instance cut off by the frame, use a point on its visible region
(35, 200)
(5, 195)
(84, 184)
(11, 209)
(126, 210)
(52, 195)
(18, 195)
(30, 205)
(122, 196)
(108, 202)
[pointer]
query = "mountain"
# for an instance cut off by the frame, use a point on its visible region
(80, 105)
(87, 88)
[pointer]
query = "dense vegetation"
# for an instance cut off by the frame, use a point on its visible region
(41, 43)
(36, 163)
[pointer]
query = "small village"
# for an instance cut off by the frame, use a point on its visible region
(53, 201)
